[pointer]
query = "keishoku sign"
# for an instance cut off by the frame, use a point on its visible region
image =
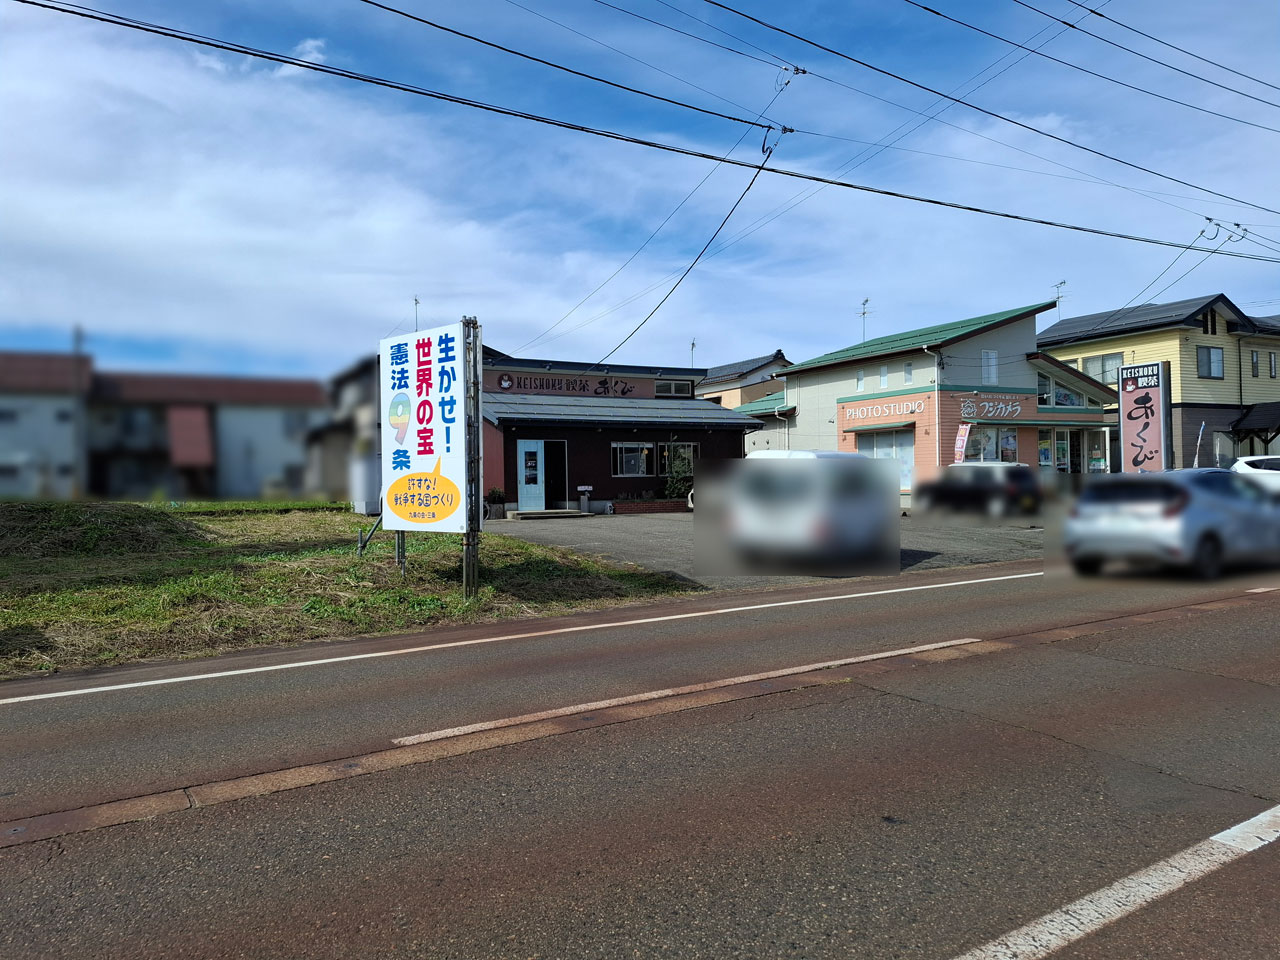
(1143, 406)
(424, 450)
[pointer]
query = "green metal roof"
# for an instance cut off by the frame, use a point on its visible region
(915, 339)
(874, 427)
(767, 405)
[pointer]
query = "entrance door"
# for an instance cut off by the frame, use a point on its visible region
(531, 475)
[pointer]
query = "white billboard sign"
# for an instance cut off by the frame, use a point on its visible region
(422, 377)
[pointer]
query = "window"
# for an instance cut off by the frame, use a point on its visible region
(669, 452)
(295, 422)
(906, 373)
(1272, 358)
(633, 459)
(1209, 363)
(1253, 362)
(672, 388)
(1064, 396)
(1104, 367)
(64, 469)
(990, 368)
(8, 416)
(8, 472)
(860, 379)
(884, 376)
(1044, 390)
(991, 444)
(63, 416)
(1072, 363)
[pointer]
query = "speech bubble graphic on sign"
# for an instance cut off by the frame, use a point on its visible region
(424, 498)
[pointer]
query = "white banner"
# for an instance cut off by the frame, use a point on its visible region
(424, 451)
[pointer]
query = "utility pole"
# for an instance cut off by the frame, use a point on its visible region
(864, 318)
(1057, 287)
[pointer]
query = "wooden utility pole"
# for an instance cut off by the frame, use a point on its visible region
(471, 404)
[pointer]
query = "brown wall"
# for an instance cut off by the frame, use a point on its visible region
(590, 457)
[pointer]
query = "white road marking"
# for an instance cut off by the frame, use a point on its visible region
(510, 636)
(1260, 590)
(670, 692)
(1077, 920)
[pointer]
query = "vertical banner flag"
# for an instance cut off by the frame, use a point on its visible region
(962, 441)
(424, 437)
(1142, 413)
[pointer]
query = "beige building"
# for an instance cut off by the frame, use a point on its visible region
(733, 384)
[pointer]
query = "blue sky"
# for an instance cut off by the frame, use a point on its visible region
(197, 211)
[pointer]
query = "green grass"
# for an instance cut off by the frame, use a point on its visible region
(91, 584)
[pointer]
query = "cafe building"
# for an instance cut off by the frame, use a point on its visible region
(554, 430)
(975, 390)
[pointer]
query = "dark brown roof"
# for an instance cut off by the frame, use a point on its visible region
(179, 388)
(44, 372)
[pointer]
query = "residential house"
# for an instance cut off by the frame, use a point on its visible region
(42, 409)
(733, 384)
(1224, 381)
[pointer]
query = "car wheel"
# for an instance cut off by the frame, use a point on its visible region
(1207, 560)
(1087, 566)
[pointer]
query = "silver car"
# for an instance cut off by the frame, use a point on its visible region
(1203, 520)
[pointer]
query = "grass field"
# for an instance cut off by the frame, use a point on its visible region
(91, 584)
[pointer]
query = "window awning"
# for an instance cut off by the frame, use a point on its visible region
(880, 427)
(190, 439)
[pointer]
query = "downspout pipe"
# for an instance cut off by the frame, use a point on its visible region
(937, 408)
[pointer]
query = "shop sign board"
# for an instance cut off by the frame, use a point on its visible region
(1143, 408)
(991, 406)
(593, 384)
(424, 436)
(871, 411)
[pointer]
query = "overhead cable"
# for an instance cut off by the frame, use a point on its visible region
(1103, 76)
(973, 106)
(775, 62)
(594, 131)
(1163, 43)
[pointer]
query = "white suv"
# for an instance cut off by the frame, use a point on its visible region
(1261, 470)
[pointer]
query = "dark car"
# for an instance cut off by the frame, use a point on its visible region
(994, 489)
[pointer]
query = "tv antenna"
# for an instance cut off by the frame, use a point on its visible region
(864, 318)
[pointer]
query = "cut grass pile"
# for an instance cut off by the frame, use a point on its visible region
(91, 584)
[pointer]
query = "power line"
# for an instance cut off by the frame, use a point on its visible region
(1164, 43)
(623, 53)
(972, 106)
(692, 263)
(1102, 76)
(594, 131)
(687, 197)
(775, 63)
(557, 66)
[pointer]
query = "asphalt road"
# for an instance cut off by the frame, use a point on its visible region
(665, 542)
(919, 808)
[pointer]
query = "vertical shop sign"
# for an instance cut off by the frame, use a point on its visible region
(424, 436)
(962, 441)
(1143, 408)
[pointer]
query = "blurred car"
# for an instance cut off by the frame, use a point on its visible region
(996, 489)
(798, 507)
(1265, 471)
(1202, 520)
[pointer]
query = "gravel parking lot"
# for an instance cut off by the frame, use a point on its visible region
(664, 541)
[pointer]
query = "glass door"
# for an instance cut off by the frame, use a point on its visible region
(530, 471)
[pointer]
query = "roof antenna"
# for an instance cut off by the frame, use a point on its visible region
(415, 314)
(692, 343)
(1058, 296)
(864, 318)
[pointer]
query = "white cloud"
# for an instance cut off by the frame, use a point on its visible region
(164, 192)
(312, 51)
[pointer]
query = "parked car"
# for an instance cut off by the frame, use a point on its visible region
(1202, 520)
(1265, 471)
(835, 511)
(996, 489)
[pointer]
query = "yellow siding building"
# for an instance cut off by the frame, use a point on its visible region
(1223, 366)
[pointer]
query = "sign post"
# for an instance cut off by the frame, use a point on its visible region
(430, 432)
(1143, 409)
(471, 536)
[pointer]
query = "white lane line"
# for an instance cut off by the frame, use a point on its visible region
(1077, 920)
(1260, 590)
(510, 636)
(670, 692)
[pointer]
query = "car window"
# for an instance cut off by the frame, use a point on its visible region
(1218, 484)
(1116, 492)
(1246, 488)
(1271, 463)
